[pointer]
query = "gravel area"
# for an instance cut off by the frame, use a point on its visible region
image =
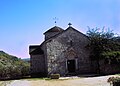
(63, 81)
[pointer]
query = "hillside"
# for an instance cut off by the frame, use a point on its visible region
(12, 66)
(26, 59)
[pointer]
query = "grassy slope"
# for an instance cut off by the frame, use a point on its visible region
(6, 59)
(12, 65)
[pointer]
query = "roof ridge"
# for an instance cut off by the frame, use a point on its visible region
(55, 29)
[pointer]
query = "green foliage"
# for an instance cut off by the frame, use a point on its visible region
(12, 67)
(112, 57)
(117, 79)
(112, 54)
(114, 80)
(104, 45)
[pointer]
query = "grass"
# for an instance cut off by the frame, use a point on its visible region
(118, 74)
(35, 79)
(5, 83)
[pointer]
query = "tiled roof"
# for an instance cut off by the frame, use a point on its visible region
(37, 51)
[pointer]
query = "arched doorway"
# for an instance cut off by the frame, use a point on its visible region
(71, 61)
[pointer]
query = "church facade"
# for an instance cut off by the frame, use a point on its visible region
(64, 52)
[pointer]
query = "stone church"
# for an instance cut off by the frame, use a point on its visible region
(63, 51)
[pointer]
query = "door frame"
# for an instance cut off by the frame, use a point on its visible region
(76, 64)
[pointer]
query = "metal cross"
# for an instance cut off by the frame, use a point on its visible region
(69, 24)
(55, 19)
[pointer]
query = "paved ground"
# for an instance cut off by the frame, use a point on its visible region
(68, 81)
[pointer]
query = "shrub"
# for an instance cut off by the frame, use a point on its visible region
(114, 80)
(55, 76)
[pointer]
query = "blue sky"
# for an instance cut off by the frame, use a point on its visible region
(23, 22)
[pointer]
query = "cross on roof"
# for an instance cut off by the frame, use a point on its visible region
(55, 20)
(69, 24)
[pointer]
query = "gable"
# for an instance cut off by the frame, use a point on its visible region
(71, 34)
(68, 31)
(72, 30)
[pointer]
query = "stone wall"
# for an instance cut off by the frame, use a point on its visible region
(50, 34)
(37, 65)
(58, 47)
(55, 57)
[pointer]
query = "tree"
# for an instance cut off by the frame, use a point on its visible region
(103, 45)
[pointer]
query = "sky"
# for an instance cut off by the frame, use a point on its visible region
(23, 22)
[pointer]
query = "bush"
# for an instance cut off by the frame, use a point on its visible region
(55, 76)
(114, 80)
